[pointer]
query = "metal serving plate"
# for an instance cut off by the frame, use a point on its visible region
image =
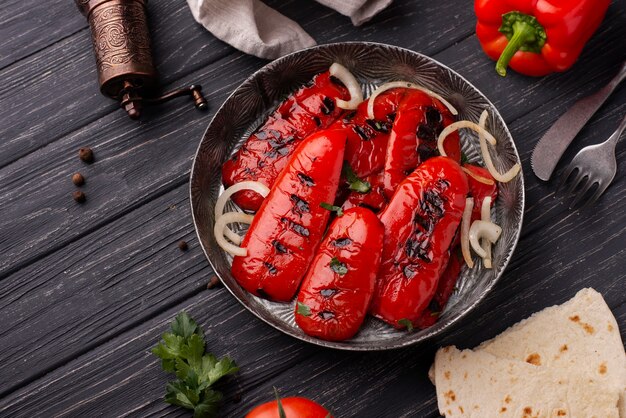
(372, 64)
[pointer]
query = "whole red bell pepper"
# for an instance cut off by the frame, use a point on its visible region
(337, 289)
(288, 228)
(419, 120)
(266, 152)
(420, 222)
(536, 37)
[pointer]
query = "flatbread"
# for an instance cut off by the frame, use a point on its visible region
(474, 384)
(580, 334)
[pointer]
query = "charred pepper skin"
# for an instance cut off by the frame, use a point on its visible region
(335, 298)
(367, 138)
(479, 191)
(536, 37)
(445, 287)
(266, 152)
(419, 121)
(289, 226)
(420, 222)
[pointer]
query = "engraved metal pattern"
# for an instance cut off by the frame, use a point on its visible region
(372, 64)
(120, 35)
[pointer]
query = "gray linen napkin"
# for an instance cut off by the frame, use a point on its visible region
(256, 29)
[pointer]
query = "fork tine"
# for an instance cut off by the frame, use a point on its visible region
(579, 181)
(568, 172)
(599, 191)
(582, 193)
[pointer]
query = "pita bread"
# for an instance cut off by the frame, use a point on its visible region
(576, 345)
(580, 334)
(475, 384)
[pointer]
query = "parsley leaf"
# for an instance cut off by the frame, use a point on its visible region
(303, 310)
(338, 267)
(464, 159)
(332, 208)
(182, 352)
(184, 326)
(355, 183)
(405, 322)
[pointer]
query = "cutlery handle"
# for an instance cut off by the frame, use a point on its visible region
(597, 99)
(618, 132)
(555, 141)
(620, 76)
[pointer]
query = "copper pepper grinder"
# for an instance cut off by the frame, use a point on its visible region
(121, 42)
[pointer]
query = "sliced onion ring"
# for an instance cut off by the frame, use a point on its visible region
(459, 125)
(346, 77)
(220, 225)
(477, 177)
(483, 230)
(465, 227)
(485, 215)
(406, 85)
(504, 177)
(255, 186)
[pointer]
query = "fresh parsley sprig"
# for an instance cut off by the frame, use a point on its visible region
(182, 352)
(332, 208)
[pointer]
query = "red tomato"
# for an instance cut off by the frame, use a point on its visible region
(294, 407)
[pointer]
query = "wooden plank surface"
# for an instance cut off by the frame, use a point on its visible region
(86, 290)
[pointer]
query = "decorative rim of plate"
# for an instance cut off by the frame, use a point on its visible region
(377, 345)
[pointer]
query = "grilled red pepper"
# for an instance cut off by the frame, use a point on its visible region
(479, 190)
(419, 121)
(266, 152)
(373, 199)
(536, 37)
(337, 289)
(420, 222)
(445, 287)
(285, 232)
(367, 138)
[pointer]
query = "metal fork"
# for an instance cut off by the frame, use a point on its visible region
(595, 164)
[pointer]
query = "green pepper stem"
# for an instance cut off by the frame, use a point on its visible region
(522, 33)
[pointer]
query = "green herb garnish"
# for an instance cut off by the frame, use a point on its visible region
(406, 323)
(332, 208)
(338, 267)
(182, 352)
(464, 159)
(302, 309)
(355, 183)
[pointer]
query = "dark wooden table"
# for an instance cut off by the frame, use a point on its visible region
(86, 290)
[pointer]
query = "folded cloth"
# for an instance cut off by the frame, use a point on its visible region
(257, 29)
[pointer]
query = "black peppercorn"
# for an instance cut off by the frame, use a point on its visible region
(183, 245)
(79, 196)
(78, 179)
(86, 155)
(214, 282)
